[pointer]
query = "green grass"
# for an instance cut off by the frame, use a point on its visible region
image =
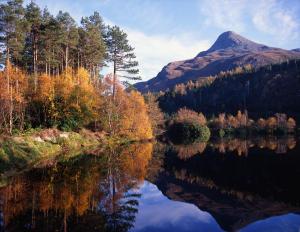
(19, 152)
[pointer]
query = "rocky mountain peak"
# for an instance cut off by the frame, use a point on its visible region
(232, 40)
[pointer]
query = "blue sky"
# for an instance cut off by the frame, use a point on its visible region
(167, 30)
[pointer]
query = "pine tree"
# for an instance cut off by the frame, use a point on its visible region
(12, 33)
(33, 17)
(91, 49)
(51, 42)
(121, 54)
(69, 36)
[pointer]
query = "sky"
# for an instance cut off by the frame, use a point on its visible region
(162, 31)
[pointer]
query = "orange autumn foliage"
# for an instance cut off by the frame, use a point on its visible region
(69, 101)
(126, 114)
(187, 115)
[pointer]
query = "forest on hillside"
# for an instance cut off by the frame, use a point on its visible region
(262, 92)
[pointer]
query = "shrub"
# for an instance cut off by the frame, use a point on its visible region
(186, 132)
(221, 133)
(190, 116)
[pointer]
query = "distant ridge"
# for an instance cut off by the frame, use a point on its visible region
(229, 51)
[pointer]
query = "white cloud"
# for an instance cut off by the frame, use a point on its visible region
(225, 14)
(271, 18)
(155, 51)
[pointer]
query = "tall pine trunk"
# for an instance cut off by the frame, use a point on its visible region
(67, 57)
(35, 58)
(9, 91)
(114, 80)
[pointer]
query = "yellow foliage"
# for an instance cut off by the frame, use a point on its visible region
(45, 90)
(135, 123)
(13, 87)
(126, 114)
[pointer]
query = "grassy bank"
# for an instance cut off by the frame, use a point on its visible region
(20, 151)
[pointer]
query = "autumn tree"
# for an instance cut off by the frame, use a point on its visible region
(135, 123)
(126, 114)
(221, 120)
(155, 115)
(12, 98)
(186, 115)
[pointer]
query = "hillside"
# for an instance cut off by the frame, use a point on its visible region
(269, 89)
(229, 51)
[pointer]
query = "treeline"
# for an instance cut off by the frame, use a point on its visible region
(70, 101)
(40, 42)
(241, 146)
(187, 126)
(52, 74)
(263, 92)
(37, 41)
(241, 124)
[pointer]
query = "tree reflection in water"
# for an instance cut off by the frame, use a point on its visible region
(85, 193)
(89, 192)
(279, 145)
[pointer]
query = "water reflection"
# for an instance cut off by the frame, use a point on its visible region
(252, 181)
(223, 185)
(186, 151)
(280, 145)
(85, 193)
(158, 213)
(288, 222)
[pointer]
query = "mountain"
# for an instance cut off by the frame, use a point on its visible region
(229, 51)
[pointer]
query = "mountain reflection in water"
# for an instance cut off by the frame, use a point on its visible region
(224, 185)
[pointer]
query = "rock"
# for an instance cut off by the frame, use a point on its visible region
(64, 135)
(38, 139)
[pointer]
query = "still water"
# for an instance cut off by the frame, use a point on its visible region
(224, 185)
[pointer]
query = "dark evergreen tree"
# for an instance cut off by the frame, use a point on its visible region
(91, 48)
(12, 32)
(121, 54)
(33, 16)
(69, 37)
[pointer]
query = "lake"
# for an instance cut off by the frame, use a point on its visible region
(223, 185)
